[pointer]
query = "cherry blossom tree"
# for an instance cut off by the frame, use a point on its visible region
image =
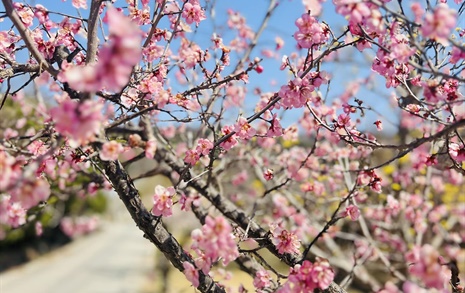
(348, 179)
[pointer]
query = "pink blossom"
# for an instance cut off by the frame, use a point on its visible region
(74, 227)
(116, 58)
(8, 172)
(353, 212)
(456, 152)
(313, 6)
(417, 10)
(310, 32)
(425, 264)
(187, 200)
(262, 279)
(285, 241)
(215, 240)
(389, 287)
(25, 13)
(243, 129)
(296, 93)
(307, 277)
(268, 174)
(79, 121)
(110, 151)
(31, 192)
(150, 149)
(16, 215)
(204, 146)
(456, 55)
(192, 157)
(80, 4)
(275, 128)
(439, 24)
(231, 141)
(239, 178)
(191, 273)
(322, 273)
(163, 201)
(193, 12)
(379, 125)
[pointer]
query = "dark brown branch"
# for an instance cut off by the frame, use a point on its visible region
(24, 32)
(233, 212)
(151, 226)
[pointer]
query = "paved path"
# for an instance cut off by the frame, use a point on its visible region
(116, 259)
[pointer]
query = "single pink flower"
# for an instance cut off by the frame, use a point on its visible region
(204, 146)
(191, 273)
(192, 157)
(163, 201)
(268, 174)
(243, 129)
(353, 212)
(111, 150)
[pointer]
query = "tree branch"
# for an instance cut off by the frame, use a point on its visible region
(24, 32)
(151, 226)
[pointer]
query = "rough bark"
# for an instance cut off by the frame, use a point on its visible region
(151, 225)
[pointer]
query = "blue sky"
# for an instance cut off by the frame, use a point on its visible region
(281, 24)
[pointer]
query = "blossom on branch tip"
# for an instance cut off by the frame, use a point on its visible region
(204, 146)
(243, 129)
(307, 277)
(163, 201)
(310, 32)
(193, 12)
(457, 152)
(116, 58)
(439, 24)
(352, 211)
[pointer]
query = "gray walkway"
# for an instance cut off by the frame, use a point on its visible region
(116, 259)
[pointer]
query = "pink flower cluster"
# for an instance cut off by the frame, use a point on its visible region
(439, 24)
(79, 121)
(111, 150)
(116, 58)
(204, 146)
(371, 179)
(12, 214)
(311, 32)
(425, 264)
(212, 242)
(352, 211)
(262, 279)
(163, 201)
(31, 192)
(193, 12)
(298, 92)
(285, 241)
(308, 277)
(243, 129)
(78, 226)
(231, 141)
(364, 18)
